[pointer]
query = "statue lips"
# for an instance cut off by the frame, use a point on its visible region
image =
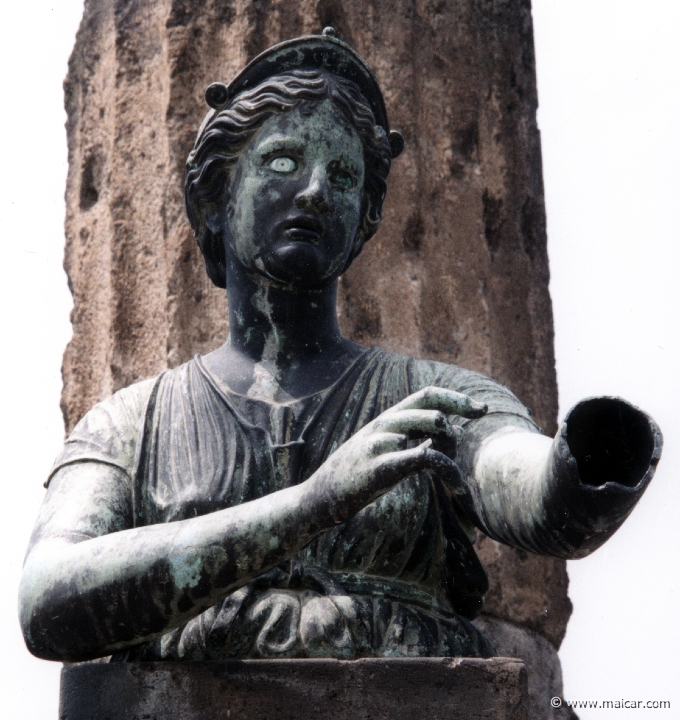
(303, 228)
(301, 251)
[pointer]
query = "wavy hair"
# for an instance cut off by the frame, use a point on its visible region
(227, 133)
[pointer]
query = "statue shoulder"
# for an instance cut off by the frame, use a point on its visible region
(477, 385)
(126, 407)
(108, 433)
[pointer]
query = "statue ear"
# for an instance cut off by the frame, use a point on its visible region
(216, 218)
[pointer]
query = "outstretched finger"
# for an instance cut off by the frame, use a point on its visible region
(414, 423)
(443, 399)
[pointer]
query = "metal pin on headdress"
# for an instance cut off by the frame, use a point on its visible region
(318, 52)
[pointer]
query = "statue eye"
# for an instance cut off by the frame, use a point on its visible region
(283, 164)
(342, 179)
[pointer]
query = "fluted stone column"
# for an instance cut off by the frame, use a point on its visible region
(458, 271)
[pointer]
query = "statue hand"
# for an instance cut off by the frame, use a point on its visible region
(376, 458)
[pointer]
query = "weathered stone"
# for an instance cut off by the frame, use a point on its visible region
(428, 688)
(526, 589)
(457, 273)
(541, 661)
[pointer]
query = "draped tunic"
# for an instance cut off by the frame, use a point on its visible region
(400, 578)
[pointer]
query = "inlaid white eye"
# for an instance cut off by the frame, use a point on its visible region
(283, 164)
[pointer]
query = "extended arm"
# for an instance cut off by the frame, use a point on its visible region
(563, 497)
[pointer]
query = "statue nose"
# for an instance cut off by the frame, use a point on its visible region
(314, 195)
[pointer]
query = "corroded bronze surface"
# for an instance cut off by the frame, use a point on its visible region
(458, 271)
(295, 494)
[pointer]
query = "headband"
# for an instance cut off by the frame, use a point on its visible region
(309, 52)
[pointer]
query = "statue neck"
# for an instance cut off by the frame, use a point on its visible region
(281, 325)
(284, 343)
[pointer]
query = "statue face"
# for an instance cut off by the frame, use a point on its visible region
(295, 197)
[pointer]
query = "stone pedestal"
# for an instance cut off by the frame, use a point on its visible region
(375, 688)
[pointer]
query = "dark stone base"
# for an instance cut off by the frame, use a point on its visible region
(375, 688)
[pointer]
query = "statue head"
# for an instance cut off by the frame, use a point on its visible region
(298, 78)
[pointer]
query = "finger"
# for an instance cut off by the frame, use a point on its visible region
(416, 424)
(397, 466)
(386, 442)
(447, 401)
(448, 444)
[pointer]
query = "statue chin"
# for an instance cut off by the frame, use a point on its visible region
(298, 264)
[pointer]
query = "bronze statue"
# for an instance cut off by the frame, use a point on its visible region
(294, 494)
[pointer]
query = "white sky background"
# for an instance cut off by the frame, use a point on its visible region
(609, 88)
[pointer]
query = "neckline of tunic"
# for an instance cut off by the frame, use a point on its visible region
(277, 414)
(230, 392)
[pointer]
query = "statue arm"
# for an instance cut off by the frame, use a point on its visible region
(566, 496)
(92, 584)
